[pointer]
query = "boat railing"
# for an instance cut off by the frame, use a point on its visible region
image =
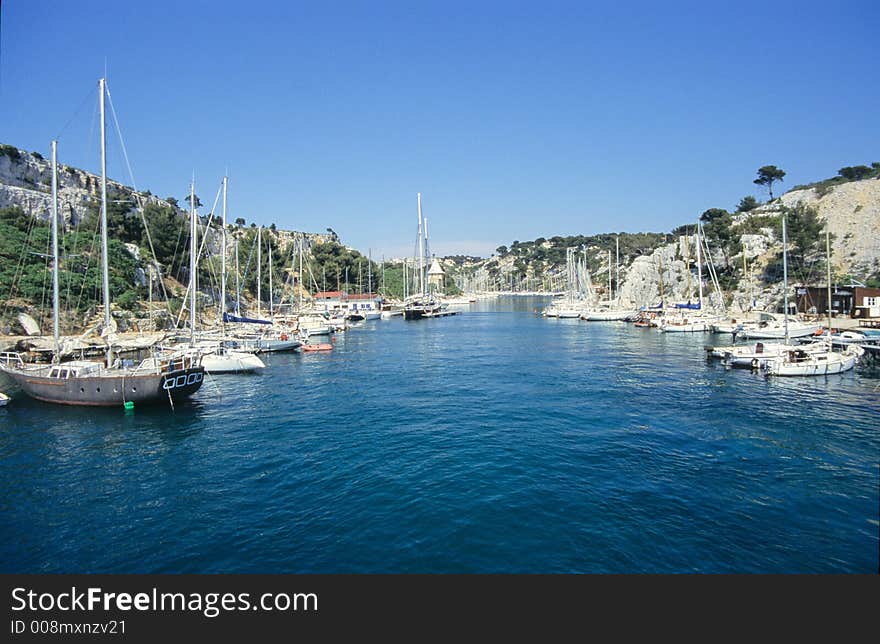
(12, 359)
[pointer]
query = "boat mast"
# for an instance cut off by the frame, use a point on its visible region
(56, 325)
(617, 267)
(427, 256)
(609, 277)
(370, 271)
(237, 284)
(301, 272)
(104, 261)
(259, 266)
(223, 266)
(699, 265)
(269, 247)
(660, 275)
(421, 248)
(193, 250)
(785, 276)
(828, 272)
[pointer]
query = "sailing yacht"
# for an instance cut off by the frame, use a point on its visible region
(797, 362)
(611, 310)
(165, 376)
(423, 304)
(686, 321)
(244, 337)
(217, 357)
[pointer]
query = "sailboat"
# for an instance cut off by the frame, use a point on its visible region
(164, 376)
(271, 338)
(612, 310)
(217, 358)
(423, 304)
(795, 361)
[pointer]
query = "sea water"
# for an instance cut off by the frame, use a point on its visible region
(491, 441)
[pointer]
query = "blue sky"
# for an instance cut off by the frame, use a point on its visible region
(513, 119)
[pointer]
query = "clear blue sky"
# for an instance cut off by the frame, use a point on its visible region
(514, 120)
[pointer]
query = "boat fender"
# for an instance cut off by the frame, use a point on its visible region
(283, 337)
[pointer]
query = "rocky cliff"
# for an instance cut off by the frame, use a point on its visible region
(26, 182)
(667, 262)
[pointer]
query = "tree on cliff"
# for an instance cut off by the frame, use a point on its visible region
(198, 201)
(855, 173)
(747, 204)
(806, 238)
(718, 229)
(767, 175)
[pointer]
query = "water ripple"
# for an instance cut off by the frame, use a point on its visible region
(494, 441)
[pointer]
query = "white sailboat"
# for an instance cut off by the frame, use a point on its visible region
(796, 361)
(696, 322)
(612, 311)
(217, 357)
(423, 304)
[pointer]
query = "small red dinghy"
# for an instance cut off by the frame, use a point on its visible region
(317, 347)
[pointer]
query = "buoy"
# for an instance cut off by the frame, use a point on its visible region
(129, 405)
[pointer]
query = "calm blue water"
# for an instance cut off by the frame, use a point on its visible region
(493, 441)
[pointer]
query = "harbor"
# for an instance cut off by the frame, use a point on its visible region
(444, 446)
(308, 297)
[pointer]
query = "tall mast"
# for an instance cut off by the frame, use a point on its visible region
(104, 252)
(301, 239)
(56, 325)
(609, 276)
(699, 264)
(828, 272)
(785, 275)
(223, 264)
(193, 250)
(237, 284)
(259, 266)
(660, 275)
(617, 266)
(427, 256)
(421, 248)
(269, 246)
(370, 271)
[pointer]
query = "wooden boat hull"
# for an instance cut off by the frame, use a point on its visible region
(111, 390)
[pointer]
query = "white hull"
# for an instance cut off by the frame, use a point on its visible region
(232, 362)
(3, 399)
(760, 354)
(819, 364)
(688, 327)
(606, 316)
(778, 333)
